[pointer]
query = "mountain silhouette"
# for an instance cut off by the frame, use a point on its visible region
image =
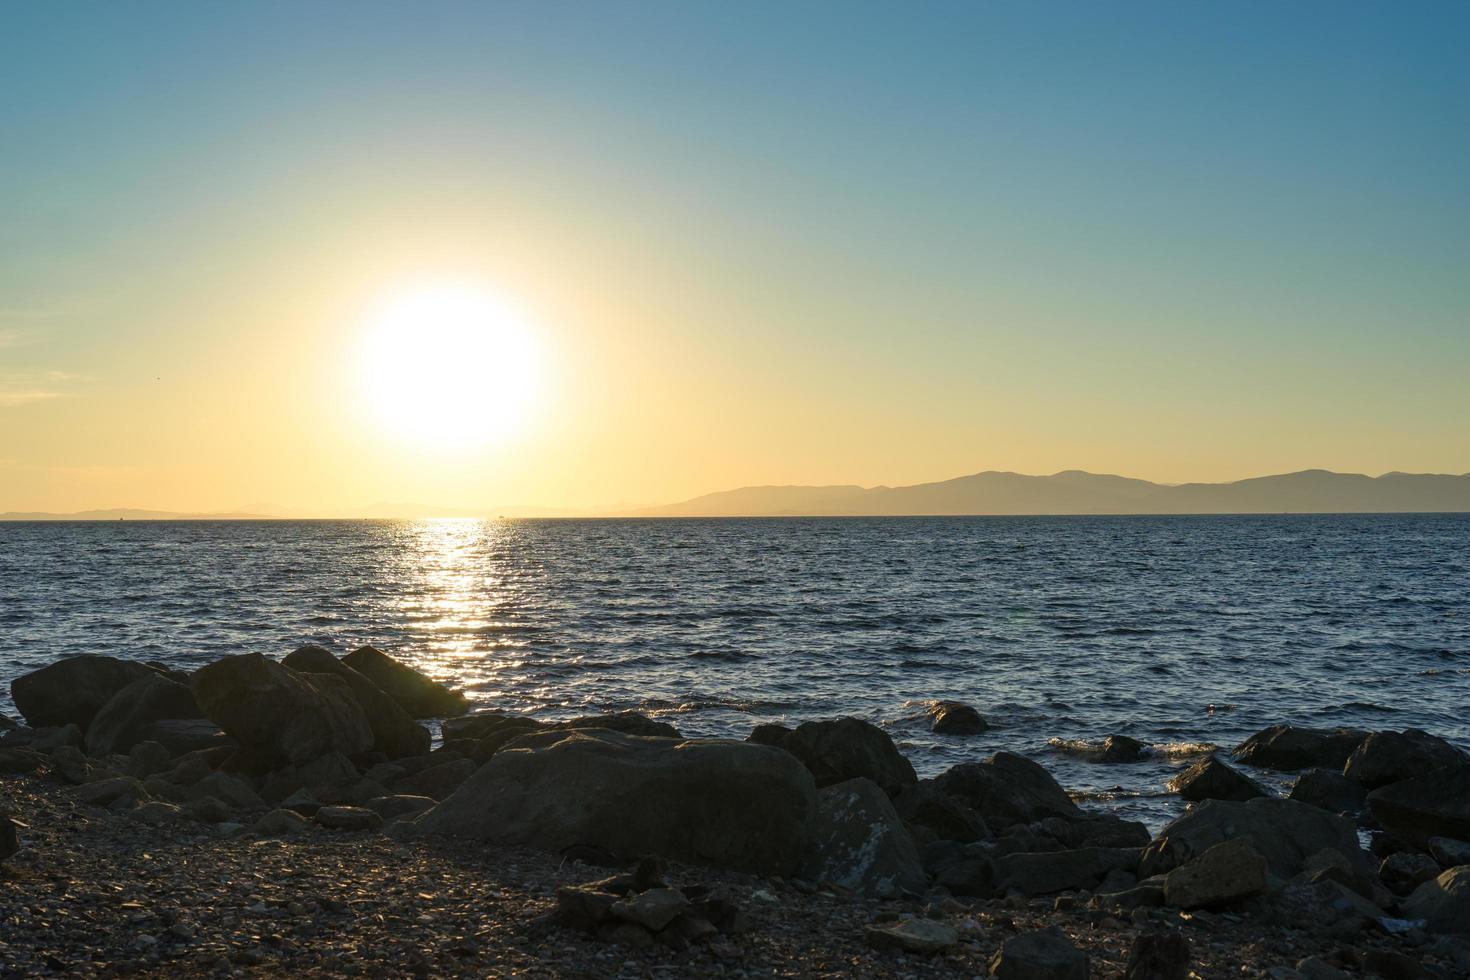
(1078, 492)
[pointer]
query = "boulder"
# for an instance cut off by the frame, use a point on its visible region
(1329, 790)
(1046, 954)
(1390, 757)
(419, 695)
(1211, 779)
(396, 807)
(928, 810)
(912, 936)
(72, 691)
(395, 734)
(9, 837)
(7, 722)
(1121, 748)
(1288, 748)
(715, 802)
(860, 843)
(436, 782)
(1449, 852)
(1433, 805)
(954, 718)
(1444, 902)
(1048, 872)
(227, 787)
(1285, 832)
(147, 758)
(1008, 789)
(627, 722)
(1405, 871)
(1158, 956)
(117, 793)
(281, 823)
(848, 748)
(768, 734)
(127, 716)
(1226, 873)
(652, 909)
(279, 715)
(348, 818)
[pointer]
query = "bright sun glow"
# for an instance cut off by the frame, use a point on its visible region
(449, 367)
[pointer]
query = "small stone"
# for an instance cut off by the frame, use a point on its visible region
(913, 936)
(652, 909)
(1046, 954)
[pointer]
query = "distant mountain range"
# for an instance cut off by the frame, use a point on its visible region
(989, 493)
(1077, 492)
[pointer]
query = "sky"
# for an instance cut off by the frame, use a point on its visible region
(790, 243)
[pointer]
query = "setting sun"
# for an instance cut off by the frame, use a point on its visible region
(449, 367)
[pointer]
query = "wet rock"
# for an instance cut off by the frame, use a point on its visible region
(1434, 805)
(348, 818)
(1285, 832)
(1329, 790)
(124, 720)
(279, 715)
(436, 782)
(1048, 872)
(395, 733)
(1288, 747)
(73, 690)
(769, 734)
(1158, 956)
(1211, 779)
(955, 718)
(1405, 871)
(281, 823)
(626, 722)
(849, 748)
(1121, 748)
(418, 694)
(1008, 789)
(7, 723)
(1046, 954)
(1226, 873)
(925, 806)
(117, 793)
(1444, 902)
(731, 804)
(912, 936)
(861, 843)
(1390, 757)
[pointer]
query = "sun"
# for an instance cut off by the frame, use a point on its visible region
(449, 367)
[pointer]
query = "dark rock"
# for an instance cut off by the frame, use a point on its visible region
(1444, 902)
(924, 805)
(1391, 964)
(1121, 748)
(1226, 873)
(1046, 954)
(395, 734)
(584, 907)
(394, 807)
(627, 722)
(860, 843)
(769, 734)
(7, 722)
(279, 715)
(717, 802)
(652, 909)
(972, 876)
(1329, 790)
(474, 727)
(1048, 872)
(1211, 779)
(1390, 757)
(1405, 871)
(117, 793)
(419, 695)
(1008, 789)
(21, 762)
(848, 748)
(1449, 852)
(1158, 956)
(348, 818)
(147, 758)
(1102, 830)
(954, 718)
(1434, 805)
(508, 731)
(436, 782)
(9, 837)
(127, 716)
(1285, 832)
(227, 787)
(72, 691)
(1288, 748)
(281, 823)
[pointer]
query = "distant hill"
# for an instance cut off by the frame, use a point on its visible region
(1076, 492)
(128, 514)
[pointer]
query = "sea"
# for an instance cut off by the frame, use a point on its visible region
(1187, 633)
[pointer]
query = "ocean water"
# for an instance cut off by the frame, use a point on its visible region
(1183, 632)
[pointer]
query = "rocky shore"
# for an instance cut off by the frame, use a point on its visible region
(291, 818)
